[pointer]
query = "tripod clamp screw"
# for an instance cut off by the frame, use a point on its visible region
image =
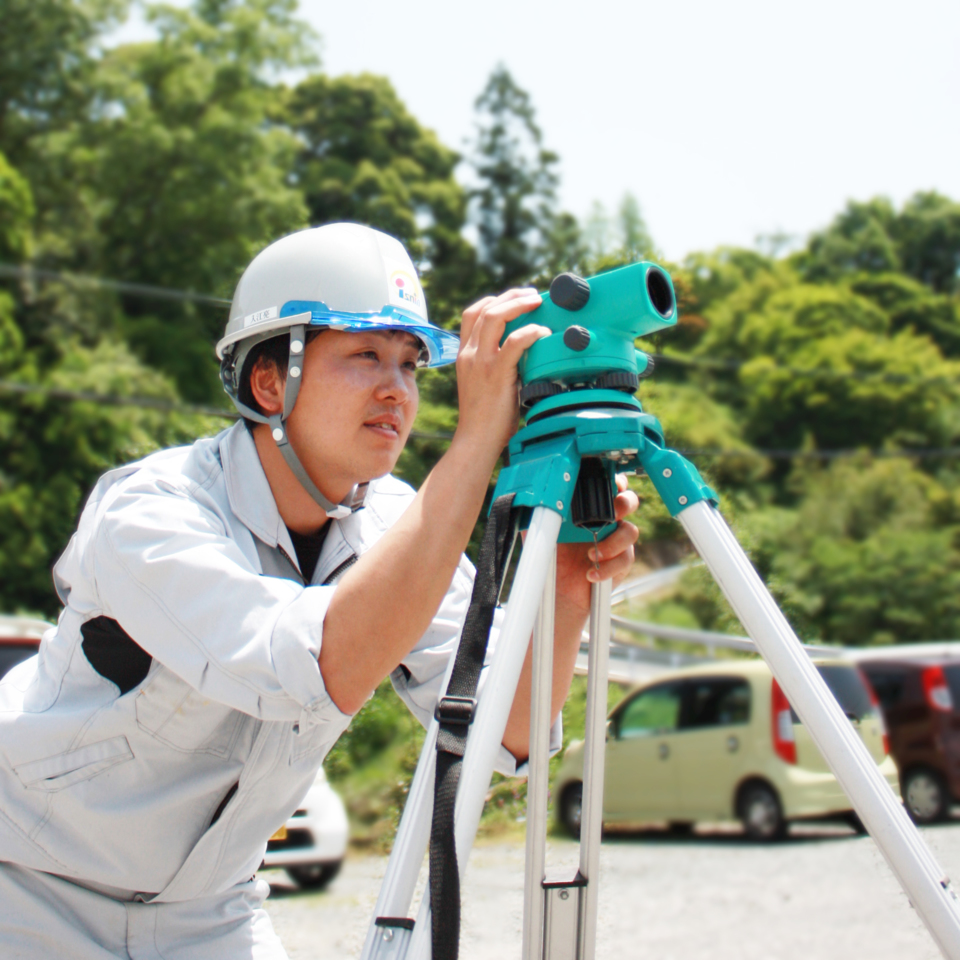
(456, 711)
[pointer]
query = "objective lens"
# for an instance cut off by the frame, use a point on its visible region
(661, 296)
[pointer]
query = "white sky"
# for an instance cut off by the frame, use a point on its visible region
(725, 120)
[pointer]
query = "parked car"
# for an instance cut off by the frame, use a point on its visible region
(312, 843)
(720, 742)
(920, 696)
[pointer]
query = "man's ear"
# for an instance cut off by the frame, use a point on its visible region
(267, 386)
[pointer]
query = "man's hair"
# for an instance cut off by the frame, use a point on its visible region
(274, 352)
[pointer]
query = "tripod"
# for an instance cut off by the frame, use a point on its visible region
(561, 479)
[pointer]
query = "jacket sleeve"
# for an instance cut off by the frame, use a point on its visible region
(422, 676)
(168, 571)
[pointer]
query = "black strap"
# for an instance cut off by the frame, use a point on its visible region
(455, 711)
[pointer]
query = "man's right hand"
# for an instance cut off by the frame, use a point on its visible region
(487, 371)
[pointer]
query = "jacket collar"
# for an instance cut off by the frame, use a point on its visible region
(248, 489)
(252, 503)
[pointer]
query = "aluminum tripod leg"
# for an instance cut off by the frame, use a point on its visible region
(595, 747)
(884, 817)
(539, 774)
(560, 917)
(486, 735)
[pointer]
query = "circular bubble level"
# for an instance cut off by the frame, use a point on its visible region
(658, 289)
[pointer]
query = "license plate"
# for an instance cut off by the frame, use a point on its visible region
(281, 834)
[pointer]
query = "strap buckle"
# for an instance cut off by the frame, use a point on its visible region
(456, 711)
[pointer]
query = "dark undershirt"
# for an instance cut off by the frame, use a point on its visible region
(308, 547)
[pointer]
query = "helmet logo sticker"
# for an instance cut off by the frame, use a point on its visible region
(405, 291)
(270, 313)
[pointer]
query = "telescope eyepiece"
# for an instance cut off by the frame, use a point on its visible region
(661, 296)
(569, 291)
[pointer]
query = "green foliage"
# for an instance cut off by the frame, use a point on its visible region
(821, 365)
(922, 240)
(365, 158)
(16, 212)
(870, 555)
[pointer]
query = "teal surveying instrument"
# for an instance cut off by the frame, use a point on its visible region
(584, 426)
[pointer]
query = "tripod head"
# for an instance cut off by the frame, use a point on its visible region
(595, 322)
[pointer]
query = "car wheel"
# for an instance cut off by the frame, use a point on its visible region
(313, 876)
(925, 796)
(571, 809)
(680, 828)
(761, 814)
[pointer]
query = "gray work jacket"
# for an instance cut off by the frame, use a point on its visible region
(187, 553)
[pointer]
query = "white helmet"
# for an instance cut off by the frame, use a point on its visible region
(342, 276)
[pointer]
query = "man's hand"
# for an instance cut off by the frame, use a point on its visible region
(487, 371)
(577, 562)
(576, 571)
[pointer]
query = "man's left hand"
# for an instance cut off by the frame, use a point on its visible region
(577, 562)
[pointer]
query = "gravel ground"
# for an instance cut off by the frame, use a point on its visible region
(824, 894)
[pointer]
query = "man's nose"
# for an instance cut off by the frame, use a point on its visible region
(393, 384)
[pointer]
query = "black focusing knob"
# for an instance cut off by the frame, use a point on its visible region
(621, 380)
(569, 291)
(537, 391)
(576, 338)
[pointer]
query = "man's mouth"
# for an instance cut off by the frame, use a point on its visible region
(389, 425)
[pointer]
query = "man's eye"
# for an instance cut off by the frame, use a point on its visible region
(368, 354)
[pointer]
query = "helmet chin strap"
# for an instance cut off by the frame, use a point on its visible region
(354, 500)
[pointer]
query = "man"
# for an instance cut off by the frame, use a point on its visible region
(230, 605)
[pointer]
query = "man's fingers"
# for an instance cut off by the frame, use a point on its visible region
(625, 503)
(521, 340)
(617, 566)
(490, 326)
(622, 539)
(470, 316)
(475, 311)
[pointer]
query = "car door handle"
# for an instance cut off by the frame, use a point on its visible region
(733, 744)
(664, 751)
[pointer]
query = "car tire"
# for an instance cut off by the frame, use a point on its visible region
(925, 796)
(313, 876)
(760, 813)
(680, 828)
(571, 809)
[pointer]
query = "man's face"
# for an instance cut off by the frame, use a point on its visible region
(356, 406)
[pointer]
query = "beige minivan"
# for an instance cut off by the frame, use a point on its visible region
(721, 742)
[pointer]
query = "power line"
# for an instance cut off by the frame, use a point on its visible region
(172, 406)
(119, 286)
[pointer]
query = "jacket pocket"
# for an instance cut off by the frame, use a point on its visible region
(66, 769)
(174, 713)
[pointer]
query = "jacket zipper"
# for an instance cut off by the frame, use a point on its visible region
(346, 565)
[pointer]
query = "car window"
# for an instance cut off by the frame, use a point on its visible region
(13, 653)
(887, 684)
(715, 702)
(847, 684)
(952, 674)
(656, 710)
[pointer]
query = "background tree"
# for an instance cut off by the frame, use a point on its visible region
(514, 200)
(365, 157)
